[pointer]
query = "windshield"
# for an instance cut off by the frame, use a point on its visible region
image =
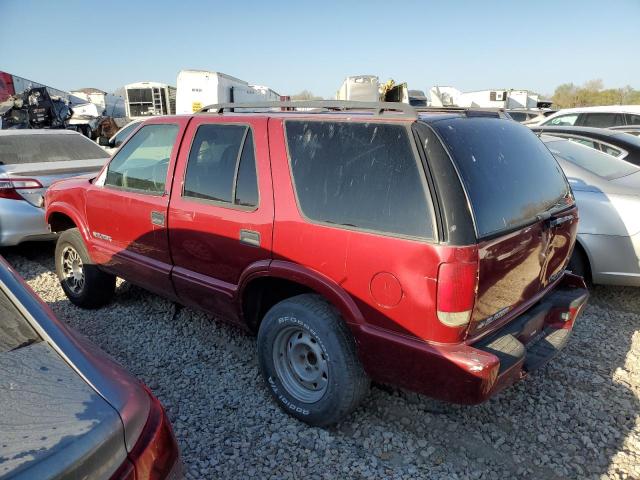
(599, 163)
(20, 149)
(509, 175)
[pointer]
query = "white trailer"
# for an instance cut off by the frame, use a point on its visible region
(362, 88)
(146, 99)
(508, 98)
(199, 88)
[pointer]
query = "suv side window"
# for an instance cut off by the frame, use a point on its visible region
(220, 155)
(564, 120)
(359, 175)
(633, 119)
(602, 120)
(141, 164)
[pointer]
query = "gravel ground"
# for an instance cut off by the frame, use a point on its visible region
(577, 418)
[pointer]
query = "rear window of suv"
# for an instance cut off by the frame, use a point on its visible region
(359, 175)
(509, 174)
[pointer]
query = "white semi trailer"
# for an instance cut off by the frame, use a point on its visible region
(147, 99)
(199, 88)
(443, 96)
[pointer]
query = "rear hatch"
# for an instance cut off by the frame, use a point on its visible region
(46, 158)
(524, 213)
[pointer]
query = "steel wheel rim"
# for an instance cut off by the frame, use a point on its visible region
(300, 364)
(72, 269)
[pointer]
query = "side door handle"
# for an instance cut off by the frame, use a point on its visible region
(250, 237)
(157, 218)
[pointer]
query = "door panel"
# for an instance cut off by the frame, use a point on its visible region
(213, 237)
(128, 226)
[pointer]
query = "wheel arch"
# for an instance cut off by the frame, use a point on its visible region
(61, 217)
(260, 290)
(586, 254)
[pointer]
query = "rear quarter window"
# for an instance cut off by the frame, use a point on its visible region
(508, 173)
(359, 175)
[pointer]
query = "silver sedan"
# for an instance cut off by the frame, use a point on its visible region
(30, 161)
(607, 192)
(67, 409)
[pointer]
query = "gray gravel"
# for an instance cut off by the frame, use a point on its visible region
(577, 418)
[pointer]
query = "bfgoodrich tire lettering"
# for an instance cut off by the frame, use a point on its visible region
(321, 380)
(82, 281)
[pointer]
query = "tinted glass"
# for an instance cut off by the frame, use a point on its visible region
(361, 175)
(141, 164)
(616, 152)
(518, 116)
(247, 182)
(563, 120)
(15, 331)
(212, 162)
(20, 149)
(633, 119)
(122, 135)
(509, 174)
(602, 120)
(594, 161)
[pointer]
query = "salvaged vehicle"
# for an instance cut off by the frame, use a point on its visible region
(613, 142)
(68, 410)
(607, 191)
(30, 161)
(360, 241)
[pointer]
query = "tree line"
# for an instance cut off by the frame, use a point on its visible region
(593, 93)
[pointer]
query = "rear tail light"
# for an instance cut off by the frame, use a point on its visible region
(9, 187)
(155, 455)
(457, 284)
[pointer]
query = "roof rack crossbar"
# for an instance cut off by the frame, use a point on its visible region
(378, 108)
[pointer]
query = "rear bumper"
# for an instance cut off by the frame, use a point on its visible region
(471, 374)
(21, 221)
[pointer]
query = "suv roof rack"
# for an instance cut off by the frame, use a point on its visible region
(378, 108)
(322, 106)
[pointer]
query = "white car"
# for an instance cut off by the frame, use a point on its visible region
(602, 117)
(111, 145)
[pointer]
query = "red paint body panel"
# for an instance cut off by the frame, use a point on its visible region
(384, 286)
(205, 236)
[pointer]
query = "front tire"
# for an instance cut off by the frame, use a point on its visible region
(308, 359)
(84, 284)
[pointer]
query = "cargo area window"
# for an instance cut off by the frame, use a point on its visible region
(221, 165)
(142, 163)
(509, 174)
(362, 175)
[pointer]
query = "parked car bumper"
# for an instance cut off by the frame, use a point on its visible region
(21, 221)
(614, 260)
(472, 373)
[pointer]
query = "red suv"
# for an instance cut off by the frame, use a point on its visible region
(360, 241)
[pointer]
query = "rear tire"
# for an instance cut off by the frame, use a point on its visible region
(309, 362)
(82, 281)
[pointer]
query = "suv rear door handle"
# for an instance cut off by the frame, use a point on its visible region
(250, 237)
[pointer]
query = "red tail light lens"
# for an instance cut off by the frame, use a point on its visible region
(457, 284)
(9, 187)
(155, 455)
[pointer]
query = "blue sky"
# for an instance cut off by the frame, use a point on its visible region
(295, 45)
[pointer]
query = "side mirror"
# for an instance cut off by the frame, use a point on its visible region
(103, 142)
